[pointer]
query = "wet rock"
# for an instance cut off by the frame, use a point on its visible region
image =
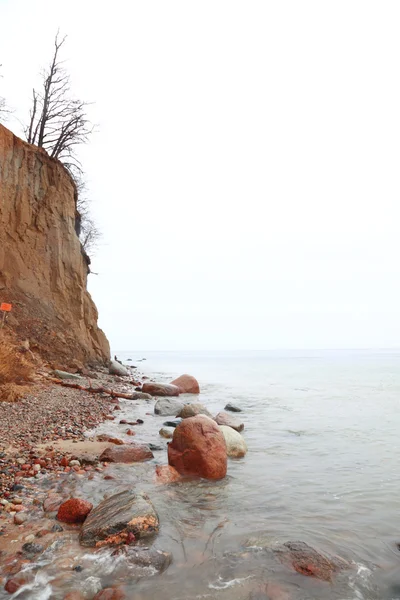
(223, 418)
(166, 433)
(104, 437)
(74, 510)
(57, 528)
(30, 549)
(173, 423)
(127, 453)
(141, 396)
(74, 596)
(65, 375)
(52, 502)
(117, 517)
(232, 408)
(198, 448)
(307, 561)
(155, 447)
(15, 583)
(117, 369)
(110, 594)
(148, 557)
(166, 407)
(191, 410)
(160, 389)
(20, 518)
(166, 474)
(235, 444)
(187, 384)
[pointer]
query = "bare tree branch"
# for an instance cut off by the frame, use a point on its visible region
(4, 109)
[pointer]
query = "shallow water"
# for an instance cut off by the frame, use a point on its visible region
(322, 467)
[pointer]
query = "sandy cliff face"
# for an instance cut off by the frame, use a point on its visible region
(43, 271)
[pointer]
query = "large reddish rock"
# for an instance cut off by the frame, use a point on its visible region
(160, 389)
(224, 418)
(74, 510)
(74, 596)
(127, 453)
(307, 561)
(198, 448)
(187, 384)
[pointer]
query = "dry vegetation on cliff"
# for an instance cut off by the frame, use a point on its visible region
(16, 369)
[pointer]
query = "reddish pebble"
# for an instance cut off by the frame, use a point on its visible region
(130, 432)
(64, 462)
(14, 584)
(74, 510)
(107, 477)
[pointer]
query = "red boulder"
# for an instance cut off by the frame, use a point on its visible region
(187, 384)
(160, 389)
(198, 448)
(74, 510)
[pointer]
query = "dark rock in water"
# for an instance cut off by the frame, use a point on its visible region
(155, 448)
(232, 408)
(307, 561)
(17, 487)
(166, 407)
(78, 569)
(187, 384)
(141, 556)
(191, 410)
(127, 453)
(174, 423)
(30, 549)
(224, 418)
(160, 389)
(128, 360)
(116, 518)
(57, 527)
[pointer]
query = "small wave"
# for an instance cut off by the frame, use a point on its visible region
(220, 584)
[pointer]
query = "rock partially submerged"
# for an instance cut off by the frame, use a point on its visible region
(307, 561)
(198, 448)
(116, 368)
(166, 474)
(232, 407)
(235, 444)
(74, 510)
(165, 407)
(166, 433)
(173, 423)
(187, 384)
(223, 418)
(191, 410)
(160, 389)
(127, 453)
(121, 518)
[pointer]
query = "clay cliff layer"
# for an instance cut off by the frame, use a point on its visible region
(43, 271)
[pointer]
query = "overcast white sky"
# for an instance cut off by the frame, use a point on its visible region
(246, 170)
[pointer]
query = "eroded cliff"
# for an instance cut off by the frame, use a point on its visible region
(43, 271)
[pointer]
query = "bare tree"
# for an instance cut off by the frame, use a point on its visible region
(4, 110)
(58, 122)
(86, 228)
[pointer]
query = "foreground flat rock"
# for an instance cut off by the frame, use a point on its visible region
(124, 517)
(166, 407)
(307, 561)
(198, 448)
(187, 384)
(116, 368)
(191, 410)
(235, 444)
(224, 418)
(127, 453)
(160, 389)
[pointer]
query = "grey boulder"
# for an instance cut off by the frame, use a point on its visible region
(166, 407)
(117, 369)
